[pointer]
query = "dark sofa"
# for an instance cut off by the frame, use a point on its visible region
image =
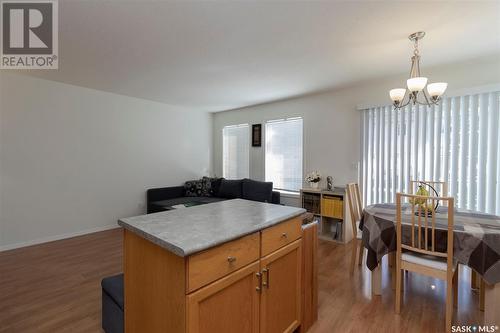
(161, 199)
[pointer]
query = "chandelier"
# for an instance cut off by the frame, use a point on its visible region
(415, 92)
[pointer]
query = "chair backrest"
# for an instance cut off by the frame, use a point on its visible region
(440, 187)
(355, 205)
(422, 221)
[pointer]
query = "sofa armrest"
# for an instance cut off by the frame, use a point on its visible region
(164, 193)
(275, 197)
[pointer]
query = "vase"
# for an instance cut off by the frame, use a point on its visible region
(314, 185)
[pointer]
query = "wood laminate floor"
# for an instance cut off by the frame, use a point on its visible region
(55, 287)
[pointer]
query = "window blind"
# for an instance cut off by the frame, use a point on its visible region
(235, 151)
(283, 160)
(457, 141)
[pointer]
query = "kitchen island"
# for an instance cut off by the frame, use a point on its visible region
(230, 266)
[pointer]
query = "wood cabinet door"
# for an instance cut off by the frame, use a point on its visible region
(230, 304)
(281, 289)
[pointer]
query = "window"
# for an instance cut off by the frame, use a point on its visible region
(456, 141)
(284, 153)
(235, 151)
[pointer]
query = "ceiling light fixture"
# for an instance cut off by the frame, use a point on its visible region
(416, 84)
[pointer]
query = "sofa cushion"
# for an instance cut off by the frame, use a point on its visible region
(214, 185)
(206, 187)
(194, 188)
(230, 189)
(257, 191)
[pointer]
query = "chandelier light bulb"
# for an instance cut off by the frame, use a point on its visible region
(397, 94)
(416, 83)
(436, 89)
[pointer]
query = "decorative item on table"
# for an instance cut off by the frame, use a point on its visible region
(329, 183)
(313, 179)
(424, 205)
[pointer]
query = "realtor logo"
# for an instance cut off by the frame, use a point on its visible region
(29, 35)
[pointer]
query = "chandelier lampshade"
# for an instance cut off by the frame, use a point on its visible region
(416, 83)
(397, 94)
(418, 90)
(436, 89)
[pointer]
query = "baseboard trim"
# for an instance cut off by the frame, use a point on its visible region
(57, 237)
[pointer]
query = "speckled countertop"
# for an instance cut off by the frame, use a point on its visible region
(185, 231)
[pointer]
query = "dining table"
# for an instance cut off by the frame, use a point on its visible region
(476, 244)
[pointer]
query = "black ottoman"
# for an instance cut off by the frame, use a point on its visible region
(112, 304)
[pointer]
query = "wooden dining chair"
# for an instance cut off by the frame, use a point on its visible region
(419, 253)
(356, 210)
(441, 187)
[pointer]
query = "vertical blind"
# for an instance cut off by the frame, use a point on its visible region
(457, 141)
(235, 151)
(283, 161)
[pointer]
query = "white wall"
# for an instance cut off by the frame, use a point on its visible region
(74, 159)
(332, 122)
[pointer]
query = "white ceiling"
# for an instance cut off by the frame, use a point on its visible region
(217, 56)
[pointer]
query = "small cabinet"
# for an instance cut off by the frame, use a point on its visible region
(230, 304)
(248, 285)
(329, 207)
(281, 287)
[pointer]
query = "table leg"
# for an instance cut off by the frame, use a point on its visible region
(377, 280)
(392, 266)
(475, 280)
(482, 295)
(492, 304)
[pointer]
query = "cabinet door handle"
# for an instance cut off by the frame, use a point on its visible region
(231, 259)
(265, 283)
(259, 286)
(284, 235)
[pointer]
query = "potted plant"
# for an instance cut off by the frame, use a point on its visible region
(313, 179)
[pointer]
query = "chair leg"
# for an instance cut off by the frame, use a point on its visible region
(455, 289)
(354, 254)
(398, 289)
(361, 249)
(403, 281)
(449, 303)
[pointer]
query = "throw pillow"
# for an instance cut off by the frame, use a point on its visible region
(206, 187)
(214, 185)
(230, 189)
(257, 191)
(193, 188)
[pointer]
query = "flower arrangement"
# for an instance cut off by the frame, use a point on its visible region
(313, 177)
